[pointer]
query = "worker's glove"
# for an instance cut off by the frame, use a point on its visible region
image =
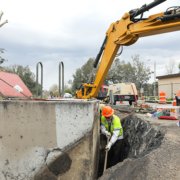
(108, 146)
(108, 134)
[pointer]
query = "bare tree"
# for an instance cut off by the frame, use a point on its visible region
(4, 22)
(1, 49)
(1, 58)
(170, 67)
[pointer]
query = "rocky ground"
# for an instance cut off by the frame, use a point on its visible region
(151, 148)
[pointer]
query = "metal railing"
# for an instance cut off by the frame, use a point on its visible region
(61, 79)
(37, 79)
(39, 87)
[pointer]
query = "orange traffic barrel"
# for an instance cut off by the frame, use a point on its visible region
(162, 97)
(174, 102)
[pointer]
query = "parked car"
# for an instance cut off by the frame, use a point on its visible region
(67, 95)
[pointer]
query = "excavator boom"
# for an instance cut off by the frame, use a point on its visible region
(126, 32)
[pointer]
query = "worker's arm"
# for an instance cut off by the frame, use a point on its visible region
(104, 131)
(117, 134)
(113, 139)
(114, 136)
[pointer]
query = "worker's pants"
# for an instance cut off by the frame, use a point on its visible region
(177, 100)
(115, 153)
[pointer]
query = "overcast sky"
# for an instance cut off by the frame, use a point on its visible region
(72, 31)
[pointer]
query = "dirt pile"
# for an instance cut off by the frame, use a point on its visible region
(151, 148)
(140, 137)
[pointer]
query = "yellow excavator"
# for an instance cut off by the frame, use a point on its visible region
(125, 32)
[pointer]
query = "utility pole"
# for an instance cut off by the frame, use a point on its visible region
(154, 77)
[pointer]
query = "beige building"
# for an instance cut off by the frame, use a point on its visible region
(170, 84)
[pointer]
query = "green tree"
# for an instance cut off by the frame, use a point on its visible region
(85, 74)
(54, 90)
(120, 71)
(67, 89)
(135, 72)
(140, 74)
(115, 72)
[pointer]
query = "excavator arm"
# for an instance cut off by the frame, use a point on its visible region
(126, 32)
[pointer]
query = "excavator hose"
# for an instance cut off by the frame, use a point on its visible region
(136, 12)
(100, 53)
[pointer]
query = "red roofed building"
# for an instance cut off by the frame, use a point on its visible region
(11, 85)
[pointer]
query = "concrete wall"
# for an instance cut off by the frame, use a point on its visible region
(37, 137)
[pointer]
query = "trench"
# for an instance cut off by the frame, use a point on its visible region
(140, 138)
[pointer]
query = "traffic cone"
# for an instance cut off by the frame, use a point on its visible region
(174, 102)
